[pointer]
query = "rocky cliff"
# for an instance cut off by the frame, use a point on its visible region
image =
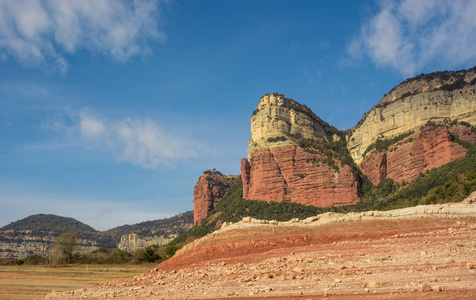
(404, 159)
(294, 156)
(408, 107)
(424, 123)
(132, 241)
(209, 190)
(156, 232)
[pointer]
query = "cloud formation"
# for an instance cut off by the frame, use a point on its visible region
(35, 32)
(141, 142)
(409, 35)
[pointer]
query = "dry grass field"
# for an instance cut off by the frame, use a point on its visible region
(35, 282)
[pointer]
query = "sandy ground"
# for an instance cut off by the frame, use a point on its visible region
(425, 252)
(35, 282)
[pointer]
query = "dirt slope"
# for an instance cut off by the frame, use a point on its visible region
(426, 251)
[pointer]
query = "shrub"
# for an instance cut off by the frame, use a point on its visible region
(150, 254)
(384, 144)
(457, 84)
(276, 139)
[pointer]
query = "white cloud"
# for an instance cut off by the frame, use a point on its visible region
(141, 142)
(409, 35)
(146, 144)
(35, 32)
(90, 126)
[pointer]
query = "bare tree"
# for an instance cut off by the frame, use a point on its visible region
(65, 245)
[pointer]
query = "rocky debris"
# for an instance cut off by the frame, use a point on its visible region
(210, 189)
(449, 210)
(342, 260)
(471, 199)
(424, 288)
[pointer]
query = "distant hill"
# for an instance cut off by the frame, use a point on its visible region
(156, 227)
(36, 234)
(50, 223)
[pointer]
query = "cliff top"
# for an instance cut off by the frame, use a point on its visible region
(276, 99)
(442, 80)
(277, 119)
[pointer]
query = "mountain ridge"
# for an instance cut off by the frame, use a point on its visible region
(36, 234)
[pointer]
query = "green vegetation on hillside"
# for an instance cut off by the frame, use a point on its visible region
(232, 208)
(52, 226)
(443, 75)
(450, 183)
(276, 139)
(173, 225)
(383, 144)
(335, 150)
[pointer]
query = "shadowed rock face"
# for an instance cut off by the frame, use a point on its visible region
(429, 148)
(209, 190)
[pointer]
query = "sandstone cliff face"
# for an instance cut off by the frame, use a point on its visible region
(277, 116)
(429, 148)
(290, 173)
(208, 191)
(424, 150)
(409, 106)
(279, 168)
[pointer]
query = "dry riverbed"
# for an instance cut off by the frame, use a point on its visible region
(35, 282)
(422, 252)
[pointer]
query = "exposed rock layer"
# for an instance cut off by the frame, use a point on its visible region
(208, 191)
(290, 173)
(277, 116)
(281, 169)
(429, 148)
(132, 241)
(19, 244)
(295, 156)
(409, 106)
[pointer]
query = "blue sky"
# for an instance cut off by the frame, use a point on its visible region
(111, 110)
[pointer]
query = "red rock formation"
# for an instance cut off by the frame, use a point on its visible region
(424, 150)
(208, 191)
(290, 173)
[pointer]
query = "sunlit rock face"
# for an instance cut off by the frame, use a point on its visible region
(208, 191)
(428, 148)
(279, 168)
(437, 97)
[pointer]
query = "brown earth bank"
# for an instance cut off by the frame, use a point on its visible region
(418, 252)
